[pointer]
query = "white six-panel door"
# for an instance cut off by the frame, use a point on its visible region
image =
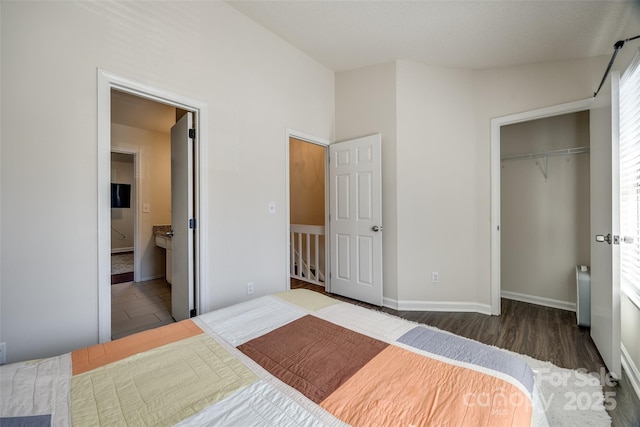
(355, 219)
(182, 275)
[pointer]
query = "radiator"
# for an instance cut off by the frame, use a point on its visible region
(583, 300)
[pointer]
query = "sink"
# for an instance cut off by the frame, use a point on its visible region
(163, 242)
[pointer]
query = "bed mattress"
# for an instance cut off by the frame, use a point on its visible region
(297, 358)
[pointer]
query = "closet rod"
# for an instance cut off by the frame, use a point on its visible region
(564, 152)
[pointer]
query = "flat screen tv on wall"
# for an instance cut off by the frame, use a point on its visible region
(120, 195)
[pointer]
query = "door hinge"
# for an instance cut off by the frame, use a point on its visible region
(192, 223)
(193, 313)
(192, 133)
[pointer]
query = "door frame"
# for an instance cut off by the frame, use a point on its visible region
(292, 133)
(136, 206)
(496, 124)
(107, 81)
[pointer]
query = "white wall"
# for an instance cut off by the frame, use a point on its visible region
(545, 223)
(366, 104)
(122, 238)
(256, 86)
(154, 178)
(436, 172)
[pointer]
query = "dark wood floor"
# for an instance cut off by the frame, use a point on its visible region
(540, 332)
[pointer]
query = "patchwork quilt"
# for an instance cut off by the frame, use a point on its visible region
(297, 358)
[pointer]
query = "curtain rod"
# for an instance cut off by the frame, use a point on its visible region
(617, 48)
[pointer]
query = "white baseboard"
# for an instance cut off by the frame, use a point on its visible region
(532, 299)
(390, 303)
(445, 306)
(121, 250)
(632, 371)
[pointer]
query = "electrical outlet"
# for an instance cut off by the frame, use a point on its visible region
(435, 277)
(3, 353)
(250, 288)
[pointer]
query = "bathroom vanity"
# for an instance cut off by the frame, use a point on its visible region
(163, 234)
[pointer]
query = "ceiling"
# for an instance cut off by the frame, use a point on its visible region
(345, 35)
(131, 110)
(348, 34)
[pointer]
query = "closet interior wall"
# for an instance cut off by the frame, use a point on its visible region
(545, 221)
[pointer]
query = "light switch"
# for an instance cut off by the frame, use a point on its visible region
(271, 207)
(146, 207)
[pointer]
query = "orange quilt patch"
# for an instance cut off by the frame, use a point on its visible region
(426, 392)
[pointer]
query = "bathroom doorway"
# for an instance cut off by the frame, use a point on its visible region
(123, 217)
(140, 207)
(111, 132)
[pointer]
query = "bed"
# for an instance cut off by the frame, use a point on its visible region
(297, 358)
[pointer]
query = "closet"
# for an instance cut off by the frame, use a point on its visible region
(545, 221)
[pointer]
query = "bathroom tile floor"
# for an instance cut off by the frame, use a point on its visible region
(136, 307)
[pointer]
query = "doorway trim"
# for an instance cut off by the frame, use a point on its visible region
(136, 206)
(107, 81)
(496, 124)
(291, 133)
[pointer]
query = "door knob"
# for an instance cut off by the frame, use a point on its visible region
(602, 238)
(376, 228)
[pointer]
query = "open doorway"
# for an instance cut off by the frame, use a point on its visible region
(147, 248)
(123, 216)
(352, 217)
(545, 208)
(140, 213)
(497, 155)
(307, 209)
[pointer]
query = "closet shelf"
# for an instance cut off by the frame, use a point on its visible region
(564, 152)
